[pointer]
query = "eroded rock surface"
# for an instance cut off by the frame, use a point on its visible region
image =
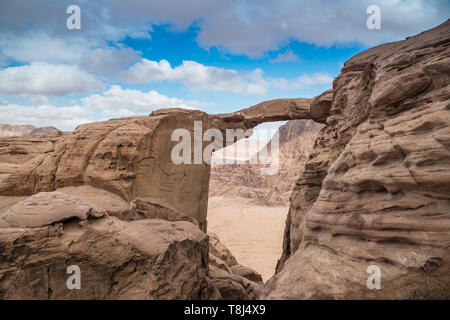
(130, 157)
(146, 259)
(80, 198)
(118, 258)
(11, 130)
(296, 139)
(375, 190)
(46, 208)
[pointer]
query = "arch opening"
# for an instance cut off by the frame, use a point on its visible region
(247, 210)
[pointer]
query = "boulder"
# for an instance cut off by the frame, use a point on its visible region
(145, 259)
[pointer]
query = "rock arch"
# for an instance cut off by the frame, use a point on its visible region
(131, 156)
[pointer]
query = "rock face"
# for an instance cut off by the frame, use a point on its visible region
(296, 138)
(117, 260)
(130, 157)
(10, 130)
(99, 198)
(375, 189)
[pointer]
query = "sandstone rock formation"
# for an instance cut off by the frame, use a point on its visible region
(46, 233)
(375, 189)
(116, 177)
(10, 130)
(130, 157)
(145, 259)
(296, 139)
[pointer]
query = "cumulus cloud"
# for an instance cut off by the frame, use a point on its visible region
(242, 27)
(135, 101)
(306, 80)
(109, 60)
(199, 77)
(92, 54)
(255, 27)
(38, 99)
(195, 76)
(46, 78)
(287, 56)
(39, 46)
(50, 16)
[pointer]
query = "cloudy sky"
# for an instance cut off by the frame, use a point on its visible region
(132, 57)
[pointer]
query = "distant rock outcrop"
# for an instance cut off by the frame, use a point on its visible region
(11, 130)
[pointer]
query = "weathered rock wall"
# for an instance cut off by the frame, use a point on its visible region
(375, 190)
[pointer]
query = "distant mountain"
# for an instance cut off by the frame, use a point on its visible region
(12, 130)
(296, 139)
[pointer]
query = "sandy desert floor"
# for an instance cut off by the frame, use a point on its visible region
(253, 233)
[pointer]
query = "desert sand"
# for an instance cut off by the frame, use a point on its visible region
(253, 233)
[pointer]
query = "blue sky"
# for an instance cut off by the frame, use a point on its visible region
(175, 47)
(132, 57)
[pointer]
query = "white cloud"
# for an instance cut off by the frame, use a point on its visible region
(112, 103)
(147, 71)
(195, 76)
(118, 101)
(92, 54)
(255, 27)
(38, 99)
(45, 78)
(199, 77)
(242, 27)
(288, 56)
(107, 61)
(315, 79)
(63, 118)
(39, 46)
(304, 81)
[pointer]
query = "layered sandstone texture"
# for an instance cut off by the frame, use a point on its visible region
(376, 187)
(41, 236)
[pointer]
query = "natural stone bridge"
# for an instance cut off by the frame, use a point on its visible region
(374, 191)
(131, 157)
